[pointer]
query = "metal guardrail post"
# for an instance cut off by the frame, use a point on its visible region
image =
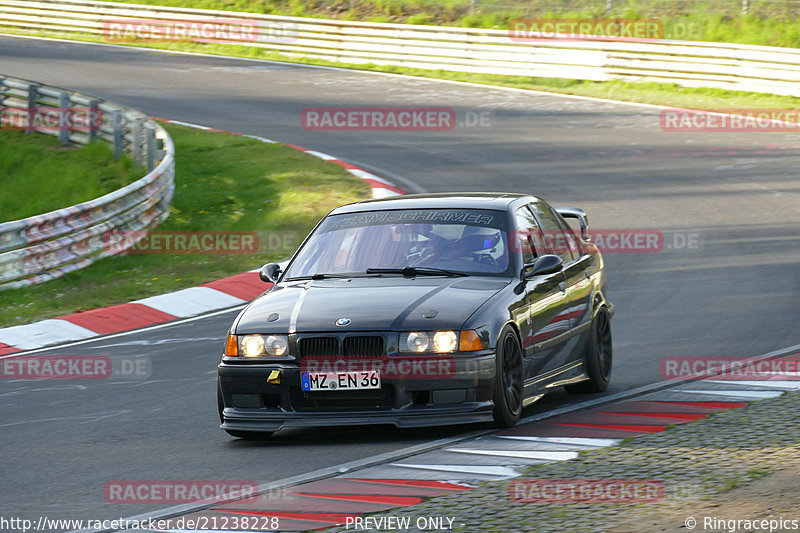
(117, 133)
(94, 120)
(151, 147)
(136, 144)
(64, 117)
(47, 246)
(33, 94)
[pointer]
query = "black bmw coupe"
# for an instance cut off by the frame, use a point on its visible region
(421, 310)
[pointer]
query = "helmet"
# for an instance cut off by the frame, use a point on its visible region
(477, 239)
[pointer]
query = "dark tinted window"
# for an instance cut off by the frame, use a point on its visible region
(556, 240)
(527, 234)
(469, 240)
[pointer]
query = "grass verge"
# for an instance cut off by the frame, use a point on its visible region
(65, 176)
(700, 20)
(222, 183)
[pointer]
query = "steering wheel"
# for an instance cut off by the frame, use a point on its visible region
(486, 259)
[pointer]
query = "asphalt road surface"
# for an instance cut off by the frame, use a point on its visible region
(726, 282)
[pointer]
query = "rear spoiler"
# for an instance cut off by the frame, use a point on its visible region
(580, 214)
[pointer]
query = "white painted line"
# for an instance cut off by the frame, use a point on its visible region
(326, 157)
(189, 125)
(42, 333)
(522, 454)
(759, 394)
(262, 139)
(575, 441)
(791, 385)
(191, 301)
(363, 174)
(378, 192)
(502, 472)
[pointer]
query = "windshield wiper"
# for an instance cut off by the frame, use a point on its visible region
(410, 271)
(325, 276)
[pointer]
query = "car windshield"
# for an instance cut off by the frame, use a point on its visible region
(466, 241)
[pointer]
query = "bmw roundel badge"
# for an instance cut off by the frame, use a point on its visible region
(343, 322)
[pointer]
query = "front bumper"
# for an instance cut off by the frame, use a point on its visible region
(251, 403)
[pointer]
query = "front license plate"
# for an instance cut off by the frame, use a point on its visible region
(363, 380)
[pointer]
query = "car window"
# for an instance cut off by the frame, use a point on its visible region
(466, 240)
(556, 239)
(527, 233)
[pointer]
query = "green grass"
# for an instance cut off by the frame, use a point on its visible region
(222, 183)
(32, 184)
(767, 24)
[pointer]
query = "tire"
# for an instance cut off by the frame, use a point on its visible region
(250, 435)
(598, 357)
(508, 383)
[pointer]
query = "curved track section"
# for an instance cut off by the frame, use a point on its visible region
(733, 292)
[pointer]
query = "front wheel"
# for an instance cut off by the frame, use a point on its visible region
(597, 357)
(508, 387)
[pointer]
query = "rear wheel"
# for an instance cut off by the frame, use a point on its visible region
(597, 357)
(508, 385)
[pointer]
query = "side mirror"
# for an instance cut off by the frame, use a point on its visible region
(270, 272)
(546, 264)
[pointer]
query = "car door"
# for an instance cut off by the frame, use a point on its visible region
(562, 241)
(546, 300)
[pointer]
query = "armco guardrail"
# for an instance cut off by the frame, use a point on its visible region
(44, 247)
(492, 51)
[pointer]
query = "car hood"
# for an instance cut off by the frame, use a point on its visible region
(370, 304)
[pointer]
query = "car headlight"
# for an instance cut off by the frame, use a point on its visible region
(428, 341)
(263, 345)
(444, 341)
(277, 345)
(253, 346)
(417, 342)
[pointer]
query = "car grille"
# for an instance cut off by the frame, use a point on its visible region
(312, 346)
(354, 400)
(353, 345)
(363, 345)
